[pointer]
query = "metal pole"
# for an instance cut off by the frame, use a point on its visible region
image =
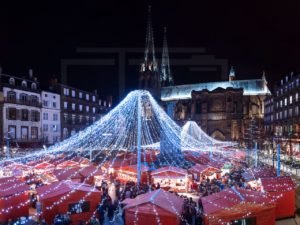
(255, 148)
(139, 125)
(278, 161)
(7, 149)
(91, 155)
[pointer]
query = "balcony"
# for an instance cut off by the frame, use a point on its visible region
(22, 102)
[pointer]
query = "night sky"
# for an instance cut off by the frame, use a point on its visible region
(252, 35)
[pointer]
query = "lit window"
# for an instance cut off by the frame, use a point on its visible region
(73, 93)
(45, 127)
(45, 103)
(87, 97)
(54, 104)
(54, 128)
(73, 106)
(291, 99)
(55, 116)
(87, 108)
(66, 91)
(296, 110)
(80, 94)
(65, 105)
(80, 107)
(297, 82)
(24, 84)
(280, 103)
(33, 86)
(290, 112)
(11, 81)
(94, 98)
(285, 101)
(296, 97)
(94, 110)
(45, 116)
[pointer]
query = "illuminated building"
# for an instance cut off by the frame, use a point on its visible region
(281, 122)
(222, 109)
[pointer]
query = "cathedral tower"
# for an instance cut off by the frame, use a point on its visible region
(149, 75)
(166, 76)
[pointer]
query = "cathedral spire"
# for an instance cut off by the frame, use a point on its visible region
(149, 54)
(149, 75)
(166, 76)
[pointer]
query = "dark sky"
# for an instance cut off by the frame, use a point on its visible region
(253, 35)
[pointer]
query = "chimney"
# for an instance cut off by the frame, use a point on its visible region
(30, 73)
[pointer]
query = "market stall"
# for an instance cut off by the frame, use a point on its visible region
(283, 190)
(129, 173)
(73, 205)
(199, 172)
(66, 174)
(150, 206)
(81, 161)
(171, 178)
(43, 167)
(92, 175)
(238, 205)
(13, 199)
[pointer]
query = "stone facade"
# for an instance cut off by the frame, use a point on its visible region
(223, 114)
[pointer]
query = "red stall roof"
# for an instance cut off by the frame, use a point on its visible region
(169, 169)
(80, 160)
(44, 165)
(89, 170)
(65, 174)
(62, 187)
(277, 183)
(133, 168)
(230, 197)
(11, 185)
(198, 168)
(259, 172)
(163, 199)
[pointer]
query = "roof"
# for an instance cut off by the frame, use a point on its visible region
(250, 87)
(89, 170)
(259, 172)
(170, 168)
(11, 185)
(65, 174)
(199, 168)
(217, 165)
(80, 160)
(133, 168)
(62, 187)
(44, 165)
(277, 183)
(164, 199)
(231, 197)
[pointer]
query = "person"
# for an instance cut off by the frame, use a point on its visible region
(39, 209)
(111, 211)
(94, 221)
(43, 222)
(100, 209)
(80, 222)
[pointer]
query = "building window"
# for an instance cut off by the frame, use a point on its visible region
(94, 119)
(65, 117)
(87, 97)
(80, 94)
(24, 84)
(54, 139)
(66, 91)
(45, 116)
(290, 112)
(80, 119)
(45, 139)
(65, 132)
(55, 117)
(12, 132)
(12, 81)
(94, 110)
(73, 93)
(33, 86)
(87, 108)
(45, 103)
(65, 105)
(94, 98)
(280, 103)
(54, 104)
(11, 95)
(24, 133)
(12, 113)
(297, 82)
(291, 99)
(280, 115)
(87, 120)
(285, 114)
(34, 100)
(45, 127)
(35, 116)
(23, 98)
(73, 119)
(73, 106)
(285, 102)
(24, 114)
(281, 91)
(277, 116)
(54, 128)
(296, 97)
(34, 133)
(296, 110)
(73, 132)
(80, 107)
